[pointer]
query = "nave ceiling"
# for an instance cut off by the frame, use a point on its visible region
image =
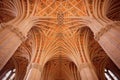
(60, 39)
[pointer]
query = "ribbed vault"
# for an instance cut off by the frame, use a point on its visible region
(57, 36)
(60, 69)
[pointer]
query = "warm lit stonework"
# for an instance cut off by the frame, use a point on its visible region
(59, 40)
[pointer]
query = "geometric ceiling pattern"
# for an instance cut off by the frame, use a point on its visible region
(57, 38)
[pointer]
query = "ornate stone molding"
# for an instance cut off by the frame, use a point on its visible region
(105, 29)
(60, 18)
(36, 66)
(14, 30)
(18, 33)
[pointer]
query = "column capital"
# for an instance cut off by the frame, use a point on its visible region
(36, 66)
(14, 30)
(18, 33)
(84, 65)
(106, 29)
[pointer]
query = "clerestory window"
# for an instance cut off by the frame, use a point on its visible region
(109, 75)
(10, 75)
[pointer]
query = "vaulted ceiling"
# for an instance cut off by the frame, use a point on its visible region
(58, 41)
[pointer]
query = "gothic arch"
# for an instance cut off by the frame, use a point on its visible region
(39, 31)
(60, 68)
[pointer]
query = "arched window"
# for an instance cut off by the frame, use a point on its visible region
(10, 75)
(109, 75)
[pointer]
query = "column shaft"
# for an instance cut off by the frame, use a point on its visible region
(87, 73)
(110, 42)
(35, 72)
(108, 36)
(109, 39)
(9, 42)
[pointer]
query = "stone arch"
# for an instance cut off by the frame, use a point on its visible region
(60, 68)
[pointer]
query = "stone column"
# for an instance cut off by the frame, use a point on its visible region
(87, 72)
(34, 72)
(109, 39)
(10, 39)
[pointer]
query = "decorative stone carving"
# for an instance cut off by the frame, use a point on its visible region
(18, 33)
(60, 18)
(105, 29)
(14, 30)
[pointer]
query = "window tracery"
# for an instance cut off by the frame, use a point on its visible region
(109, 75)
(10, 75)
